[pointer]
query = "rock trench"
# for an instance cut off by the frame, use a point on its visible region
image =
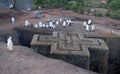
(23, 36)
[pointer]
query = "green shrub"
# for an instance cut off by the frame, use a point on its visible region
(114, 9)
(102, 5)
(71, 6)
(115, 14)
(107, 13)
(114, 5)
(98, 14)
(81, 10)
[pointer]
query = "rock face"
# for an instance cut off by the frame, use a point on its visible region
(114, 54)
(20, 4)
(4, 3)
(23, 60)
(4, 35)
(26, 34)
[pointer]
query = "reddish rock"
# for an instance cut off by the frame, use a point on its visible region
(23, 60)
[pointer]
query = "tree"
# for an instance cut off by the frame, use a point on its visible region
(109, 1)
(114, 9)
(114, 5)
(81, 6)
(59, 3)
(74, 5)
(38, 2)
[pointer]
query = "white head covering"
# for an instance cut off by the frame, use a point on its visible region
(89, 21)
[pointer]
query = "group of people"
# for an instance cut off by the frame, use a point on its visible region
(36, 16)
(89, 26)
(51, 24)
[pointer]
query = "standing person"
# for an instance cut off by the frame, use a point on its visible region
(87, 27)
(36, 14)
(69, 22)
(92, 27)
(89, 22)
(40, 24)
(60, 20)
(27, 23)
(10, 44)
(64, 24)
(57, 22)
(84, 24)
(13, 20)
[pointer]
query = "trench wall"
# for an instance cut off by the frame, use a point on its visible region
(114, 54)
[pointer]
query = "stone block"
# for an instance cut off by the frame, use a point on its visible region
(72, 47)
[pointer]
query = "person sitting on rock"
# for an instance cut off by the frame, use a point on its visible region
(11, 6)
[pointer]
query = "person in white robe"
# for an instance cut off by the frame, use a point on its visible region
(53, 21)
(36, 25)
(47, 26)
(92, 10)
(39, 8)
(64, 23)
(43, 25)
(84, 24)
(27, 23)
(10, 44)
(28, 9)
(87, 28)
(60, 20)
(11, 6)
(54, 27)
(92, 27)
(57, 22)
(51, 24)
(69, 22)
(89, 22)
(40, 24)
(13, 20)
